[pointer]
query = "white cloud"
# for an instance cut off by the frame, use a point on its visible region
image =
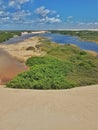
(81, 23)
(5, 18)
(23, 1)
(42, 11)
(20, 15)
(12, 12)
(17, 3)
(50, 20)
(47, 16)
(1, 13)
(4, 13)
(69, 19)
(87, 23)
(15, 17)
(96, 23)
(12, 3)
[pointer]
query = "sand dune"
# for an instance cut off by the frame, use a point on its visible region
(74, 109)
(21, 50)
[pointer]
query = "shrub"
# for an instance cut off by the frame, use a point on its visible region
(45, 73)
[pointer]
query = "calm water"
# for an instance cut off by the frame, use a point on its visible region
(59, 38)
(9, 67)
(65, 39)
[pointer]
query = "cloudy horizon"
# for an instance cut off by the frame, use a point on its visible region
(43, 15)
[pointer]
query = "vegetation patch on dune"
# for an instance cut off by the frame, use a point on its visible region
(45, 73)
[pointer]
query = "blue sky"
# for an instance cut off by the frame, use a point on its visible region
(52, 14)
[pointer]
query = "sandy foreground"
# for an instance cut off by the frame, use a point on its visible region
(74, 109)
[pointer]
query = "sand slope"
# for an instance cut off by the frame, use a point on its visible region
(74, 109)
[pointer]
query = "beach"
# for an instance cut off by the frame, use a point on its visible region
(73, 109)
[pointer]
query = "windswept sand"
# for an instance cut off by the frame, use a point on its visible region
(74, 109)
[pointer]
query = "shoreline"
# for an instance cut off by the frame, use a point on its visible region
(23, 50)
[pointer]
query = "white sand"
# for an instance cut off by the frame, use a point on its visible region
(74, 109)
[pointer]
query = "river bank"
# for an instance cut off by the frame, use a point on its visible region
(13, 57)
(23, 50)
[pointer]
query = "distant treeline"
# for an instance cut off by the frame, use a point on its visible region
(6, 35)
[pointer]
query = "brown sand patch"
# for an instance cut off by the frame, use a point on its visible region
(92, 52)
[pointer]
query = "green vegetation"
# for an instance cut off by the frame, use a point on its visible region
(45, 73)
(84, 35)
(64, 66)
(7, 35)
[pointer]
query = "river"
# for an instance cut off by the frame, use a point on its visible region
(59, 38)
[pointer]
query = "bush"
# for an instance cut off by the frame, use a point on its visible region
(42, 60)
(45, 73)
